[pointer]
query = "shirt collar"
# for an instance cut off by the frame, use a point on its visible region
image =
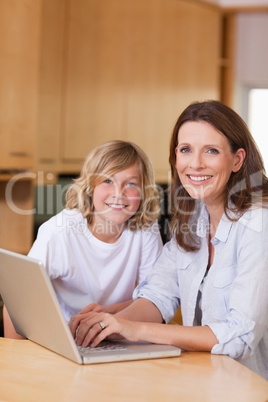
(223, 228)
(202, 222)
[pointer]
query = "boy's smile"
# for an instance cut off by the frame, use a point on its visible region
(117, 198)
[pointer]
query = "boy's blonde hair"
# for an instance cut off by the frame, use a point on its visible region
(105, 161)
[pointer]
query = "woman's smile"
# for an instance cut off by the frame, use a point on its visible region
(198, 178)
(204, 161)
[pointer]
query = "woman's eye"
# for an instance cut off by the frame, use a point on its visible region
(132, 184)
(108, 181)
(184, 150)
(213, 151)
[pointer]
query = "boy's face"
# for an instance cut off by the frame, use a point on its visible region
(118, 197)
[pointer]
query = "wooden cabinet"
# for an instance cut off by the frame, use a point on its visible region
(74, 74)
(19, 55)
(16, 212)
(128, 69)
(172, 60)
(51, 85)
(19, 80)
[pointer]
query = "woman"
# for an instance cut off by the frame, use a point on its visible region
(216, 264)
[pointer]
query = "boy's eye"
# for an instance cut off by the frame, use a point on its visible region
(108, 181)
(132, 184)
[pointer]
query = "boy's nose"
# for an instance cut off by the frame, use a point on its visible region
(118, 191)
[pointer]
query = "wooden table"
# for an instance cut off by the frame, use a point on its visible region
(29, 372)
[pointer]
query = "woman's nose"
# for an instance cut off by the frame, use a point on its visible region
(197, 161)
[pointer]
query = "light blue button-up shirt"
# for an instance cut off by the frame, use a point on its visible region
(234, 301)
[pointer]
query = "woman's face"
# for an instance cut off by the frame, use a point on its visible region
(204, 161)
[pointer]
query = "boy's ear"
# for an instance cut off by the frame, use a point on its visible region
(239, 159)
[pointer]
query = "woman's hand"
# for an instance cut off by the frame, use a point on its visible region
(92, 327)
(127, 324)
(86, 328)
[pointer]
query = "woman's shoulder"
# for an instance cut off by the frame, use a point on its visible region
(255, 217)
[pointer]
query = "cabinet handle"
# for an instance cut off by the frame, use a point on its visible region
(20, 154)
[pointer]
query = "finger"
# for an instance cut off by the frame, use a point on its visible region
(94, 336)
(97, 339)
(117, 329)
(100, 334)
(76, 320)
(73, 324)
(87, 309)
(85, 331)
(88, 328)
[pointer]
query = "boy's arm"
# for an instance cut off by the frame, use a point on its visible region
(9, 330)
(112, 309)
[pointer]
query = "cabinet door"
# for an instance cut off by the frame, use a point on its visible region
(16, 213)
(94, 92)
(19, 55)
(50, 87)
(173, 59)
(130, 69)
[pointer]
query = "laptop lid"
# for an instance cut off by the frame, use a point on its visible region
(32, 304)
(36, 314)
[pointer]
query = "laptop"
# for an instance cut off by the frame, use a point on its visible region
(36, 314)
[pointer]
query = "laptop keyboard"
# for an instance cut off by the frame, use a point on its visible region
(102, 347)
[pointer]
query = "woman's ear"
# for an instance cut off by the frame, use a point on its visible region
(239, 159)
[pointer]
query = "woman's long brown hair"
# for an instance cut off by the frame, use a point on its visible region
(245, 188)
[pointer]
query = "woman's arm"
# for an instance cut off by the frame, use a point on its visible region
(187, 338)
(240, 329)
(199, 338)
(150, 247)
(140, 310)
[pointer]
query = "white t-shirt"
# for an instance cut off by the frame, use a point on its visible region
(84, 270)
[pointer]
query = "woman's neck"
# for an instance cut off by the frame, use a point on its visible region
(215, 214)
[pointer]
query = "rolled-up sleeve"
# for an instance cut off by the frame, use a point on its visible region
(234, 340)
(152, 246)
(161, 286)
